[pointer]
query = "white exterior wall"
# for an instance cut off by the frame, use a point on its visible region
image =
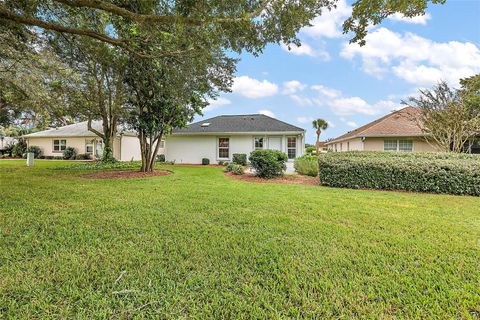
(130, 149)
(193, 148)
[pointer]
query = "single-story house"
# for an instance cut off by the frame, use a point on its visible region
(53, 142)
(397, 131)
(216, 139)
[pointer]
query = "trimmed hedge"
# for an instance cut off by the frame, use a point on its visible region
(419, 172)
(306, 165)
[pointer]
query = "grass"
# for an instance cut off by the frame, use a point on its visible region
(197, 244)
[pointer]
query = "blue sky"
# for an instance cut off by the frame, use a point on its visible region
(350, 85)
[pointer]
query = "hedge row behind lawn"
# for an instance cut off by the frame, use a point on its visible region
(419, 172)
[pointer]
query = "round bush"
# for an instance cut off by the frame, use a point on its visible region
(205, 161)
(234, 168)
(268, 163)
(240, 158)
(69, 153)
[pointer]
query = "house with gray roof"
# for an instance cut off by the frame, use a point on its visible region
(54, 141)
(216, 139)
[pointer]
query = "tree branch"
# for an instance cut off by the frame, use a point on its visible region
(89, 127)
(112, 8)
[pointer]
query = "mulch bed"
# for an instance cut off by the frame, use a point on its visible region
(125, 174)
(286, 179)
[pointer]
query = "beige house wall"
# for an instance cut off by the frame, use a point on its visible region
(377, 144)
(419, 144)
(78, 143)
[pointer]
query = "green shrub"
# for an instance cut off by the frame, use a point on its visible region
(35, 150)
(310, 150)
(205, 161)
(69, 153)
(161, 158)
(101, 165)
(221, 162)
(234, 168)
(419, 172)
(19, 149)
(268, 163)
(240, 158)
(83, 156)
(306, 165)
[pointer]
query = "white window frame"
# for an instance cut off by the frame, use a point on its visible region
(255, 143)
(60, 145)
(397, 145)
(218, 148)
(292, 148)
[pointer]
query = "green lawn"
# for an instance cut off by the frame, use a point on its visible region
(197, 244)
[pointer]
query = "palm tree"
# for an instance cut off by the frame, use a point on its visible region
(319, 125)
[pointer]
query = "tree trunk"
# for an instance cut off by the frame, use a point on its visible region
(318, 140)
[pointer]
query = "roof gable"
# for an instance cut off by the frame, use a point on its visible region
(79, 129)
(398, 123)
(238, 123)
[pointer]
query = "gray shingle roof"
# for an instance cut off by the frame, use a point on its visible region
(238, 123)
(73, 130)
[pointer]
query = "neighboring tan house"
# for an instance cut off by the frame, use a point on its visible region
(53, 142)
(397, 131)
(216, 139)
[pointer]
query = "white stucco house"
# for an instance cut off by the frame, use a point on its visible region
(216, 139)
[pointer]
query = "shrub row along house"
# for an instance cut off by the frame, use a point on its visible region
(216, 139)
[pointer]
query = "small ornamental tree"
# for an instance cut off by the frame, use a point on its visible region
(446, 117)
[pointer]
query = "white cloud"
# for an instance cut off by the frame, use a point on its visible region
(413, 20)
(352, 124)
(325, 91)
(329, 23)
(293, 86)
(304, 49)
(267, 113)
(307, 50)
(304, 119)
(214, 104)
(301, 101)
(343, 105)
(253, 88)
(415, 59)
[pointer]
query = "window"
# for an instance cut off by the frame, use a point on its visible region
(258, 143)
(405, 145)
(162, 144)
(89, 148)
(390, 145)
(398, 145)
(291, 147)
(59, 145)
(223, 148)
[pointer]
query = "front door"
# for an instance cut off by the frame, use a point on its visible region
(275, 143)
